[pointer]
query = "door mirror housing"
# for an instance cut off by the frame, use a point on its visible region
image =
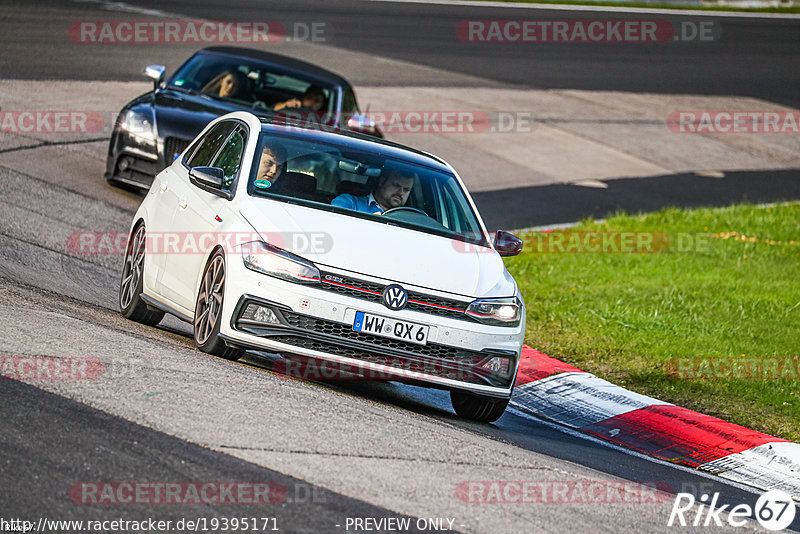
(507, 244)
(363, 124)
(358, 121)
(155, 73)
(210, 179)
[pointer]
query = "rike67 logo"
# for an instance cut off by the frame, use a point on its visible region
(774, 510)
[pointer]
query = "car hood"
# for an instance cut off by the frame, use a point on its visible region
(184, 116)
(380, 250)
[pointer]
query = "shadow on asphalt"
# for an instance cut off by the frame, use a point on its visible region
(524, 207)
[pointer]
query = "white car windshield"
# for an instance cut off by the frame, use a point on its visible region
(363, 184)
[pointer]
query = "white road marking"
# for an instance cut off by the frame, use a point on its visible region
(127, 8)
(578, 399)
(768, 466)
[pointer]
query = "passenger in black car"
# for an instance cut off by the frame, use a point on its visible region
(227, 84)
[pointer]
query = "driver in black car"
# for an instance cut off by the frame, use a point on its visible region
(312, 99)
(392, 191)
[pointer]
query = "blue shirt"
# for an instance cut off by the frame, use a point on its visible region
(364, 204)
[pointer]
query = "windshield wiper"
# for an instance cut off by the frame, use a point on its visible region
(183, 90)
(193, 92)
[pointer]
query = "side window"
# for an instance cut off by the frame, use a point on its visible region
(210, 144)
(349, 103)
(453, 208)
(229, 158)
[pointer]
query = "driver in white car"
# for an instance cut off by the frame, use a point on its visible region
(392, 191)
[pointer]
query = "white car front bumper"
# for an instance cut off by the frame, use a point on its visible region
(318, 323)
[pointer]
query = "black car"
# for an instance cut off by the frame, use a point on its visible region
(154, 128)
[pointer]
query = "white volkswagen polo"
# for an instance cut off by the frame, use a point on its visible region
(329, 247)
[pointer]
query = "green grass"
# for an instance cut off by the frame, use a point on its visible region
(612, 3)
(625, 316)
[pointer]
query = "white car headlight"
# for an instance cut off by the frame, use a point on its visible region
(500, 312)
(263, 258)
(138, 123)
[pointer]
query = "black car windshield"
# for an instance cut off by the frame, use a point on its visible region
(246, 81)
(363, 184)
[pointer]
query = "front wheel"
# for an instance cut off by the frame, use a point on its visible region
(478, 407)
(130, 287)
(208, 311)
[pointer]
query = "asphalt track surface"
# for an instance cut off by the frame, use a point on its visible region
(49, 441)
(752, 57)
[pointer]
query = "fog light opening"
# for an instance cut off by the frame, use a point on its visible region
(257, 313)
(498, 365)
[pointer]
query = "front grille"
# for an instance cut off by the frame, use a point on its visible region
(322, 326)
(421, 302)
(332, 337)
(173, 146)
(457, 370)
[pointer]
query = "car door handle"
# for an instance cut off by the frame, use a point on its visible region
(163, 186)
(182, 204)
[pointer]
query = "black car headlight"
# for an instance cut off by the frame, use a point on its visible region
(498, 312)
(273, 261)
(138, 123)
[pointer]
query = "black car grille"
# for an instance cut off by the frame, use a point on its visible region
(372, 292)
(136, 170)
(174, 146)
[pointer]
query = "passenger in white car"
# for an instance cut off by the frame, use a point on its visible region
(271, 165)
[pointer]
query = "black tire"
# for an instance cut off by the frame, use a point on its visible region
(208, 311)
(478, 407)
(130, 286)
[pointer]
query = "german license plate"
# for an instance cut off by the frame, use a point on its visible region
(392, 328)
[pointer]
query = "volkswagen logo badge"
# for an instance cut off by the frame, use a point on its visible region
(395, 297)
